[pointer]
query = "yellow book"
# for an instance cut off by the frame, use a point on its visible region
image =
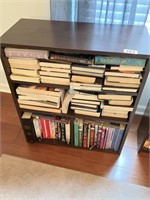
(83, 79)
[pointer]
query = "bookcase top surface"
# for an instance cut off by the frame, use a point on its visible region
(77, 37)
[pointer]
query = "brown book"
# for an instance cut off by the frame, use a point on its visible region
(126, 85)
(24, 78)
(127, 68)
(119, 89)
(55, 65)
(55, 80)
(123, 74)
(121, 103)
(23, 61)
(113, 114)
(26, 72)
(51, 69)
(117, 108)
(54, 74)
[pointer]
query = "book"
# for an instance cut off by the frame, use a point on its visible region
(114, 97)
(80, 132)
(26, 53)
(114, 114)
(67, 129)
(84, 105)
(71, 58)
(85, 135)
(125, 68)
(107, 60)
(24, 66)
(123, 74)
(85, 96)
(29, 107)
(126, 85)
(24, 78)
(26, 72)
(83, 79)
(89, 102)
(117, 108)
(37, 127)
(119, 138)
(54, 74)
(123, 79)
(83, 112)
(55, 65)
(102, 137)
(74, 107)
(23, 61)
(88, 68)
(109, 138)
(100, 75)
(65, 103)
(46, 104)
(119, 89)
(99, 135)
(23, 89)
(54, 80)
(89, 135)
(116, 132)
(86, 86)
(120, 103)
(51, 69)
(76, 132)
(92, 133)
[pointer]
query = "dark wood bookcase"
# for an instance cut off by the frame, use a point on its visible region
(143, 132)
(81, 38)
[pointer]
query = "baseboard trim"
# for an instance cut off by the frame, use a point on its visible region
(4, 88)
(140, 110)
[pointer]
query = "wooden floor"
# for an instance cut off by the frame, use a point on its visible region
(129, 167)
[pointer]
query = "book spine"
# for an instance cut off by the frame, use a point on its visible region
(96, 134)
(92, 135)
(76, 133)
(80, 132)
(63, 138)
(119, 139)
(85, 133)
(47, 122)
(99, 136)
(116, 130)
(37, 128)
(67, 128)
(102, 137)
(43, 125)
(89, 135)
(59, 130)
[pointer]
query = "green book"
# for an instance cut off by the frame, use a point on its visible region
(106, 60)
(76, 132)
(80, 132)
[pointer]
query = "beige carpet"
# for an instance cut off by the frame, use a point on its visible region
(22, 179)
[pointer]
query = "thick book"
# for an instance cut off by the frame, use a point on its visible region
(37, 127)
(123, 80)
(123, 85)
(117, 108)
(65, 103)
(24, 78)
(83, 79)
(83, 112)
(23, 61)
(107, 60)
(114, 114)
(25, 72)
(26, 53)
(126, 68)
(25, 66)
(120, 103)
(123, 74)
(54, 80)
(114, 97)
(55, 65)
(29, 107)
(23, 89)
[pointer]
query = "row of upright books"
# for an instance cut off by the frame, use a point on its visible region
(102, 135)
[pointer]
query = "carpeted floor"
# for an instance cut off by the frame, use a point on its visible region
(22, 179)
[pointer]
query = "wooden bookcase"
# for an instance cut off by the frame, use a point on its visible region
(81, 38)
(143, 132)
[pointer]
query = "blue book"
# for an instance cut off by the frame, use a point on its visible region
(119, 138)
(116, 131)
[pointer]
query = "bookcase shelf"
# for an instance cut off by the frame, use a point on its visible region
(80, 40)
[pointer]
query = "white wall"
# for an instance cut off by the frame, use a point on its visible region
(12, 10)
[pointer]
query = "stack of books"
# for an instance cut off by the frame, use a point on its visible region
(85, 104)
(40, 98)
(87, 77)
(89, 134)
(55, 73)
(122, 74)
(116, 105)
(24, 63)
(56, 128)
(24, 69)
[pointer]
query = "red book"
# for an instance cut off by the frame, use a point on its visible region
(48, 131)
(102, 138)
(43, 125)
(85, 133)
